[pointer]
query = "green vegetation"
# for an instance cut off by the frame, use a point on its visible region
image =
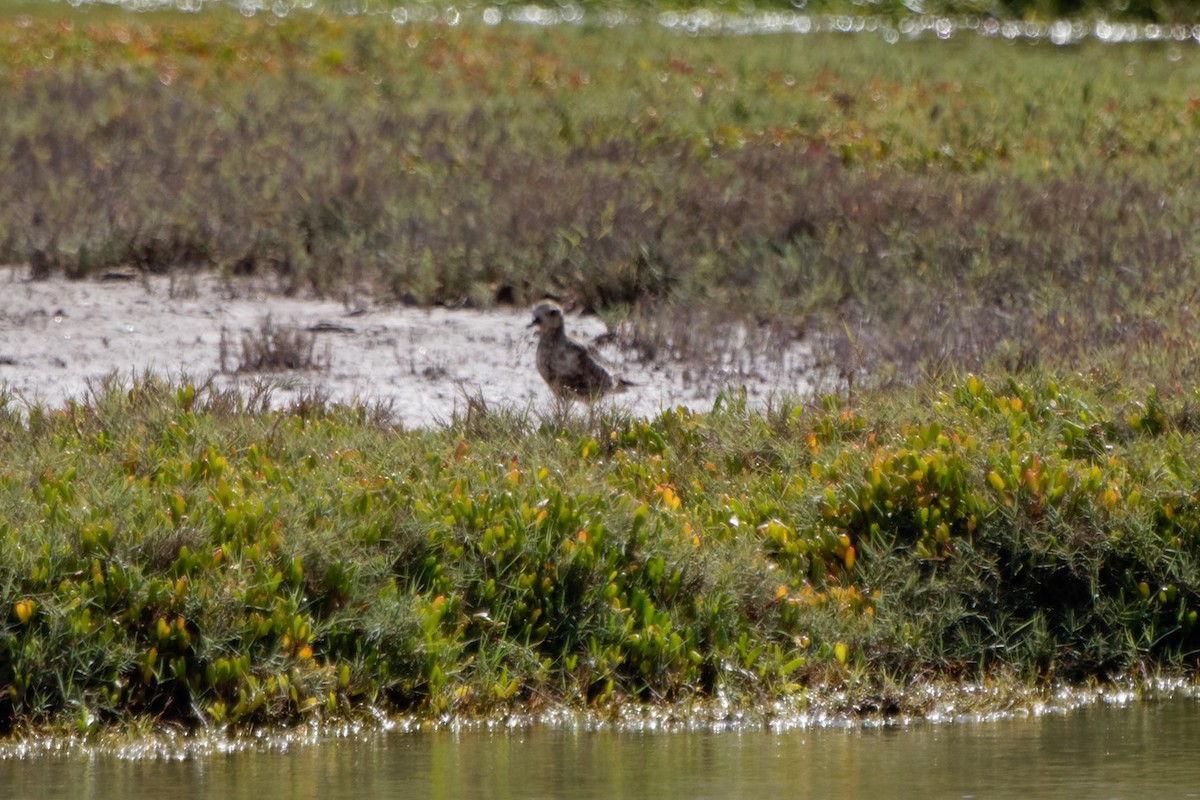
(910, 207)
(917, 210)
(181, 554)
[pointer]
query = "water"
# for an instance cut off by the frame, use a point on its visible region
(1136, 751)
(700, 20)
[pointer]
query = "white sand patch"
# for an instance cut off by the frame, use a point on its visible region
(57, 335)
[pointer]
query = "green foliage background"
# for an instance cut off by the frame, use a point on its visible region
(908, 207)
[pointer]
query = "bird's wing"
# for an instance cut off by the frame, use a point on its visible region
(583, 373)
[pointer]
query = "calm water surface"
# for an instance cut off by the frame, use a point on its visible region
(1146, 750)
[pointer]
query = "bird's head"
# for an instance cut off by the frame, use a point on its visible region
(547, 316)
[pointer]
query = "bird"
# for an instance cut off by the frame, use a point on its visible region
(570, 368)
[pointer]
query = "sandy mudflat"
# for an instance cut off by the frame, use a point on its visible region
(57, 336)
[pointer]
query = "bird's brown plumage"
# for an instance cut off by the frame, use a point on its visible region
(569, 368)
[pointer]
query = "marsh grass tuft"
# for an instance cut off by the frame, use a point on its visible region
(273, 348)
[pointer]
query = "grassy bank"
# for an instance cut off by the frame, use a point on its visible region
(908, 207)
(180, 554)
(916, 210)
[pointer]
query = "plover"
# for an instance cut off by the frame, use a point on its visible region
(569, 367)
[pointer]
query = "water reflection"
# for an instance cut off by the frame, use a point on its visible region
(704, 21)
(1137, 751)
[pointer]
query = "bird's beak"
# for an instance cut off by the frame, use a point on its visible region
(533, 324)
